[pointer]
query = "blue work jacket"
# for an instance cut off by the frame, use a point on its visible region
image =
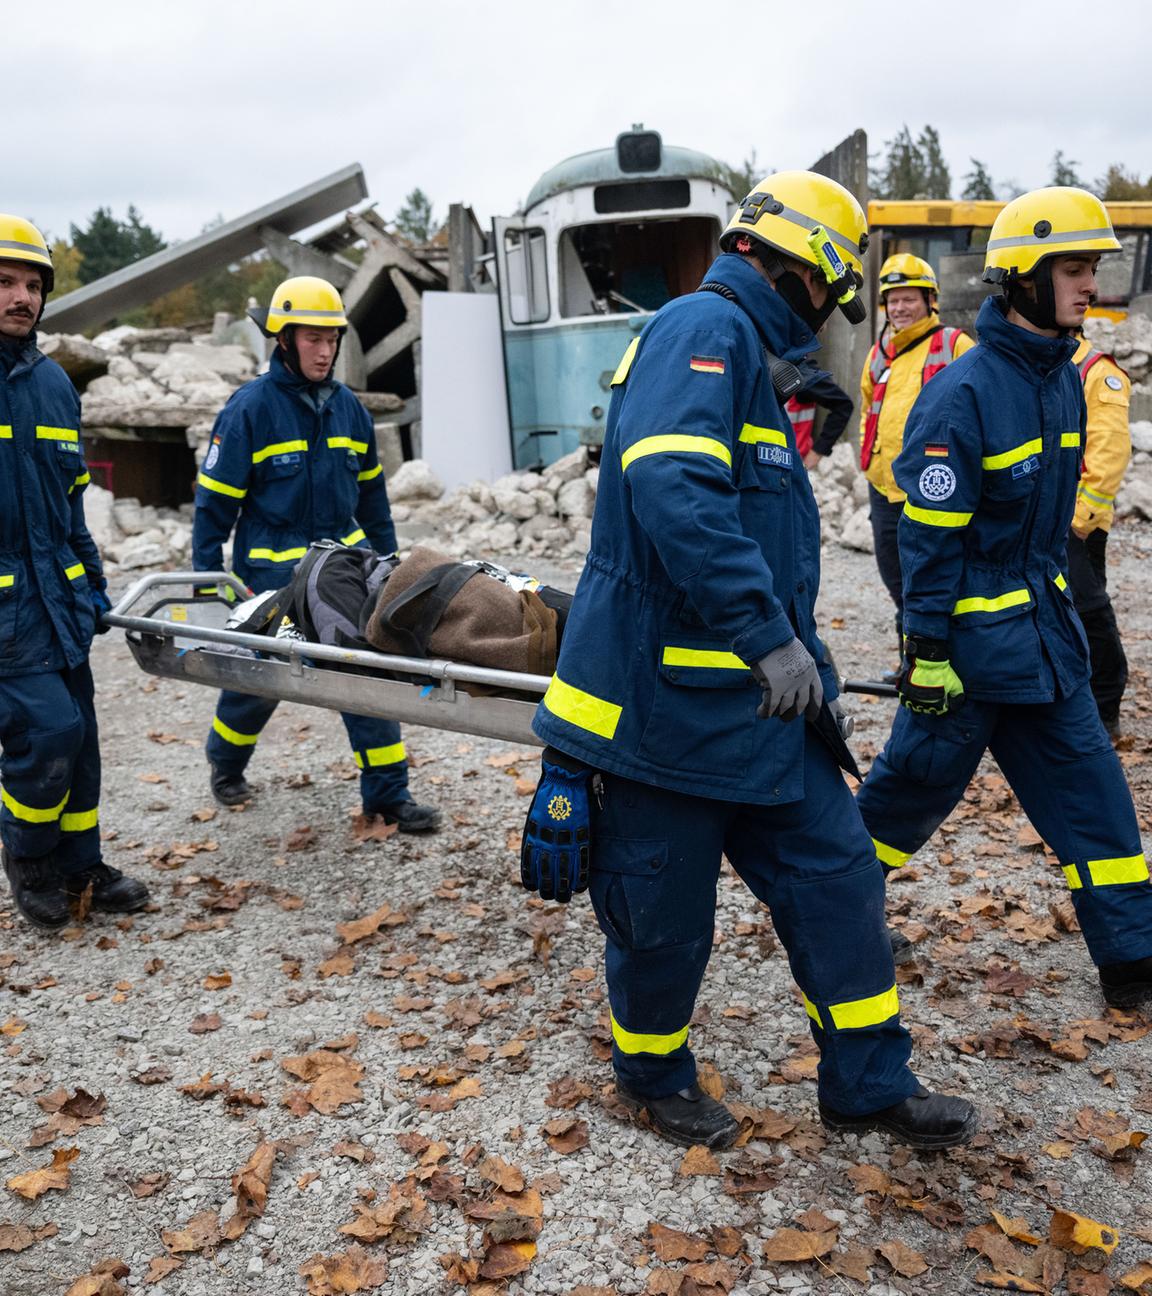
(991, 461)
(705, 555)
(296, 467)
(49, 562)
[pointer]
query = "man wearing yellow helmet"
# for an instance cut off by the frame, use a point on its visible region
(913, 347)
(292, 459)
(52, 595)
(995, 655)
(711, 726)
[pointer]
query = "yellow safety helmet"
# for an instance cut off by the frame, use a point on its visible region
(816, 221)
(304, 300)
(1057, 221)
(20, 240)
(903, 270)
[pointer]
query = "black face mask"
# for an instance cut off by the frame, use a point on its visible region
(794, 290)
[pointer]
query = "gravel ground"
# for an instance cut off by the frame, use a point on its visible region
(469, 1017)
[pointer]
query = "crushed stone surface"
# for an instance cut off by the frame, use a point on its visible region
(475, 991)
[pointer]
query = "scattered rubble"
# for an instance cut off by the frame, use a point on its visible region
(1130, 342)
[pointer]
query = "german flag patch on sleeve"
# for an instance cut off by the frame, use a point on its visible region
(936, 450)
(707, 364)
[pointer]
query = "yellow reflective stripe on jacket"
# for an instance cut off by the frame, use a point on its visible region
(1070, 440)
(890, 855)
(1012, 599)
(6, 432)
(625, 363)
(1014, 456)
(369, 473)
(7, 581)
(1059, 581)
(346, 443)
(75, 571)
(57, 434)
(79, 820)
(935, 517)
(811, 1009)
(752, 435)
(221, 488)
(82, 480)
(703, 657)
(281, 447)
(630, 1042)
(354, 537)
(278, 555)
(29, 814)
(231, 736)
(675, 441)
(1106, 501)
(373, 756)
(856, 1013)
(582, 709)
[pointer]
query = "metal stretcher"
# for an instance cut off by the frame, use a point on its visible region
(184, 637)
(178, 635)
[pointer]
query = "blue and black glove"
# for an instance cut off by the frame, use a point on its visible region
(557, 832)
(101, 605)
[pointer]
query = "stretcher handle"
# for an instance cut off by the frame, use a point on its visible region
(877, 687)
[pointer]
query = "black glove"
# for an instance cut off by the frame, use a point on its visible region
(558, 829)
(928, 683)
(790, 681)
(101, 605)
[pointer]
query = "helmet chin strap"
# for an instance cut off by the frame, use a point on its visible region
(1039, 310)
(292, 352)
(795, 292)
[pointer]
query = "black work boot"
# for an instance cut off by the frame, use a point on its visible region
(925, 1120)
(1126, 985)
(112, 892)
(903, 951)
(410, 817)
(37, 890)
(229, 789)
(686, 1117)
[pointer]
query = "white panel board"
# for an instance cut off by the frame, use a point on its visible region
(464, 411)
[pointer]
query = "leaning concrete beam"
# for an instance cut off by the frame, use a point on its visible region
(145, 280)
(300, 259)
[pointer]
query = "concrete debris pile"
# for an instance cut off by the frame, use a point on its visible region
(1130, 342)
(132, 536)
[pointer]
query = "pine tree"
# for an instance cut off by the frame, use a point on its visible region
(1064, 171)
(902, 172)
(978, 185)
(1118, 184)
(109, 244)
(414, 219)
(937, 177)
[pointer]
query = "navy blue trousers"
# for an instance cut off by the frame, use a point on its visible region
(885, 519)
(1059, 762)
(50, 767)
(376, 745)
(655, 863)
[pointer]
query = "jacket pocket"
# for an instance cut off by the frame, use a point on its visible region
(703, 709)
(934, 751)
(10, 578)
(997, 646)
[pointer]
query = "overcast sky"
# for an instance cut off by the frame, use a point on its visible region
(192, 110)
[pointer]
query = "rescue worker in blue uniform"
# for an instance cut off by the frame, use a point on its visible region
(995, 655)
(693, 710)
(52, 595)
(294, 455)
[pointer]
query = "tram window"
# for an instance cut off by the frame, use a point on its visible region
(619, 267)
(527, 265)
(642, 195)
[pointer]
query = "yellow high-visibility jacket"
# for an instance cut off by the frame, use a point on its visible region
(904, 361)
(1108, 443)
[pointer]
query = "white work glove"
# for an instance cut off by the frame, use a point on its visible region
(791, 683)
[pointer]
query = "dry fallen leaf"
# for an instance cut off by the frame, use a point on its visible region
(506, 1259)
(670, 1244)
(203, 1023)
(372, 827)
(798, 1244)
(54, 1176)
(566, 1135)
(905, 1261)
(1138, 1279)
(250, 1190)
(345, 1273)
(19, 1237)
(201, 1233)
(508, 1178)
(399, 1219)
(217, 981)
(102, 1280)
(699, 1160)
(1007, 1282)
(360, 928)
(1077, 1234)
(160, 1267)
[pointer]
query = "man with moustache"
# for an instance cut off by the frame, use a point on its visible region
(52, 596)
